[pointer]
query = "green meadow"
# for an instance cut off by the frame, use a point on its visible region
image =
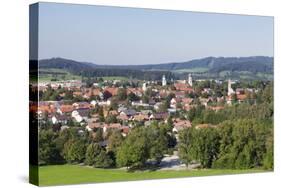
(47, 75)
(75, 174)
(192, 70)
(111, 78)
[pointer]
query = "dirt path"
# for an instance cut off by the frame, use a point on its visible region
(172, 163)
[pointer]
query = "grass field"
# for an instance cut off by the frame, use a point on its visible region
(47, 75)
(110, 78)
(74, 174)
(193, 70)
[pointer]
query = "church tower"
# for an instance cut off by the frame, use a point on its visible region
(164, 82)
(230, 91)
(190, 80)
(144, 87)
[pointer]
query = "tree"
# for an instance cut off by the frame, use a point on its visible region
(96, 156)
(133, 152)
(49, 153)
(114, 104)
(143, 143)
(170, 124)
(103, 160)
(267, 93)
(164, 106)
(158, 142)
(132, 97)
(74, 151)
(68, 95)
(98, 136)
(249, 143)
(115, 140)
(185, 138)
(93, 150)
(169, 97)
(111, 119)
(195, 113)
(268, 156)
(101, 114)
(121, 94)
(145, 99)
(245, 143)
(200, 145)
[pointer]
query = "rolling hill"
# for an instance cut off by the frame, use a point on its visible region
(254, 67)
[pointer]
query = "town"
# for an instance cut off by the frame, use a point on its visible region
(102, 111)
(126, 107)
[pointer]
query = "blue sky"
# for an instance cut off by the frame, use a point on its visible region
(113, 35)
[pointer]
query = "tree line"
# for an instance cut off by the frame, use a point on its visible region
(106, 150)
(242, 138)
(239, 144)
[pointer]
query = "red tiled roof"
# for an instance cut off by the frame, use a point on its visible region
(112, 90)
(216, 108)
(241, 97)
(46, 108)
(182, 124)
(123, 117)
(125, 129)
(77, 93)
(187, 100)
(95, 125)
(78, 105)
(183, 87)
(202, 126)
(114, 125)
(141, 117)
(134, 90)
(96, 92)
(66, 108)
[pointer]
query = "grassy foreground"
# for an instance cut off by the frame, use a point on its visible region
(74, 174)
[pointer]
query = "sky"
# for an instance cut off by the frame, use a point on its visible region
(113, 35)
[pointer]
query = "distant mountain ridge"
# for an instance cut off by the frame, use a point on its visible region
(209, 65)
(213, 63)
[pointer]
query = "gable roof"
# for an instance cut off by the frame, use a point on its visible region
(79, 105)
(84, 112)
(241, 97)
(160, 115)
(183, 87)
(112, 90)
(66, 108)
(181, 124)
(129, 112)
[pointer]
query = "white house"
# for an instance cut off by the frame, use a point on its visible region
(94, 102)
(76, 116)
(54, 120)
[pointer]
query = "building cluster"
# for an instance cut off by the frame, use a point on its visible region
(127, 114)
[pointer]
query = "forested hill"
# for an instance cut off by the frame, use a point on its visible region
(248, 67)
(217, 64)
(66, 64)
(46, 66)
